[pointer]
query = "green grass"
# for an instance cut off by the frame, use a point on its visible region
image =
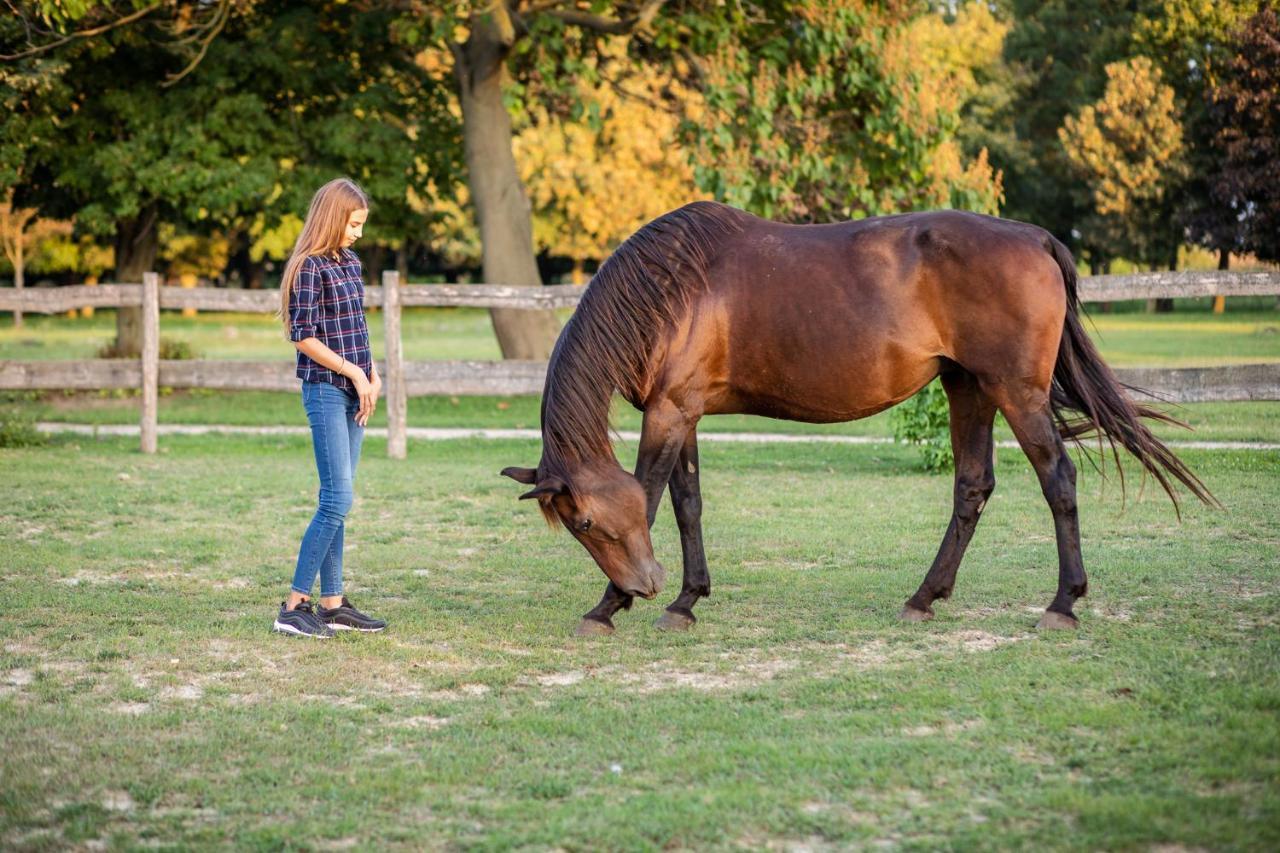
(143, 701)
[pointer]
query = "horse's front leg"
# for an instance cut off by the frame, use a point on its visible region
(660, 442)
(686, 499)
(599, 620)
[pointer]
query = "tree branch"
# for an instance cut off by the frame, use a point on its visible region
(92, 31)
(588, 21)
(612, 26)
(221, 17)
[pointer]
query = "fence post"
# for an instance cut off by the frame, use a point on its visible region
(150, 358)
(393, 382)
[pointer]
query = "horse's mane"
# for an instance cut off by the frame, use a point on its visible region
(639, 293)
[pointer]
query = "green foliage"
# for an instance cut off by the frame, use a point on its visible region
(813, 113)
(288, 95)
(924, 420)
(1056, 52)
(19, 430)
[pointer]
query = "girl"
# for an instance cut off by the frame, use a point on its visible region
(322, 306)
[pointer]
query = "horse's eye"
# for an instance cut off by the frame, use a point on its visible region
(585, 525)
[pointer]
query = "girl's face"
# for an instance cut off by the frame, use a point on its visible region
(354, 228)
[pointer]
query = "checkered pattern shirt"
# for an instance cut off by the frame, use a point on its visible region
(327, 302)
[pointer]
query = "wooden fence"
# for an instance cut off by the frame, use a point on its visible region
(402, 379)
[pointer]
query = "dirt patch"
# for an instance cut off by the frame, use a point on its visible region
(183, 692)
(425, 721)
(465, 691)
(117, 801)
(745, 668)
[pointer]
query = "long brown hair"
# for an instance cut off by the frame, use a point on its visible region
(322, 232)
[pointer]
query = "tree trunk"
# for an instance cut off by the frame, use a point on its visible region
(1224, 262)
(1096, 268)
(19, 276)
(373, 265)
(502, 209)
(136, 247)
(1164, 305)
(402, 262)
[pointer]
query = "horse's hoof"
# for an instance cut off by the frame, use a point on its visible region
(1052, 620)
(910, 614)
(593, 628)
(670, 620)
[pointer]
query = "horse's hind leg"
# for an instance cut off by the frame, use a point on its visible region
(1040, 440)
(972, 414)
(686, 499)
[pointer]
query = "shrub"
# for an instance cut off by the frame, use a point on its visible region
(18, 430)
(924, 420)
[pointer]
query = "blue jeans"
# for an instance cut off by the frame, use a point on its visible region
(337, 439)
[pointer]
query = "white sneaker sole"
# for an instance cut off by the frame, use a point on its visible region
(337, 627)
(282, 628)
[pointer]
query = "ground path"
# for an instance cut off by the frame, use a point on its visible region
(450, 433)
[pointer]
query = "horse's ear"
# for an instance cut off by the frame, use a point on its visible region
(547, 488)
(528, 476)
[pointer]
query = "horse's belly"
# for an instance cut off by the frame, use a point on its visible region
(828, 383)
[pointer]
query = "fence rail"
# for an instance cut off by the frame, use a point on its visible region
(513, 378)
(53, 300)
(403, 379)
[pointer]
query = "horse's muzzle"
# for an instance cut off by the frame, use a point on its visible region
(650, 583)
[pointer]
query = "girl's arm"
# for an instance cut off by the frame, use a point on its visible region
(315, 350)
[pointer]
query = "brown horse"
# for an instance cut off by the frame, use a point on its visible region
(709, 310)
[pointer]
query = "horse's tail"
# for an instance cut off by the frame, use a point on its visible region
(1083, 384)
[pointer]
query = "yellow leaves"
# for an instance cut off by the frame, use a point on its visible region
(1129, 144)
(590, 188)
(944, 56)
(189, 254)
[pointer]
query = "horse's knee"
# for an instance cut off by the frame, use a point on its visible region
(971, 497)
(688, 507)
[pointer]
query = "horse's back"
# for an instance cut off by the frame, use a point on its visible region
(836, 322)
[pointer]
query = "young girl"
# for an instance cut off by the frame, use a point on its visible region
(322, 305)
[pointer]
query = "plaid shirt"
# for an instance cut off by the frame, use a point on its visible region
(327, 302)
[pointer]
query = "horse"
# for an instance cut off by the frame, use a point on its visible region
(710, 310)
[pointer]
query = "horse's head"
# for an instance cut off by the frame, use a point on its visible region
(605, 511)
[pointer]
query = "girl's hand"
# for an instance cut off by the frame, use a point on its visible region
(368, 397)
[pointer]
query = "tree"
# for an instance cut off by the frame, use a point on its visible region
(543, 44)
(289, 94)
(1127, 151)
(19, 228)
(1056, 51)
(1245, 115)
(1190, 40)
(594, 181)
(818, 112)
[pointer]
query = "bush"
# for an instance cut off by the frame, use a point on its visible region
(18, 430)
(924, 420)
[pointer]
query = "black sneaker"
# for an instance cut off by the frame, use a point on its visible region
(345, 617)
(301, 621)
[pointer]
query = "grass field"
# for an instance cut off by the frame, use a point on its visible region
(143, 701)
